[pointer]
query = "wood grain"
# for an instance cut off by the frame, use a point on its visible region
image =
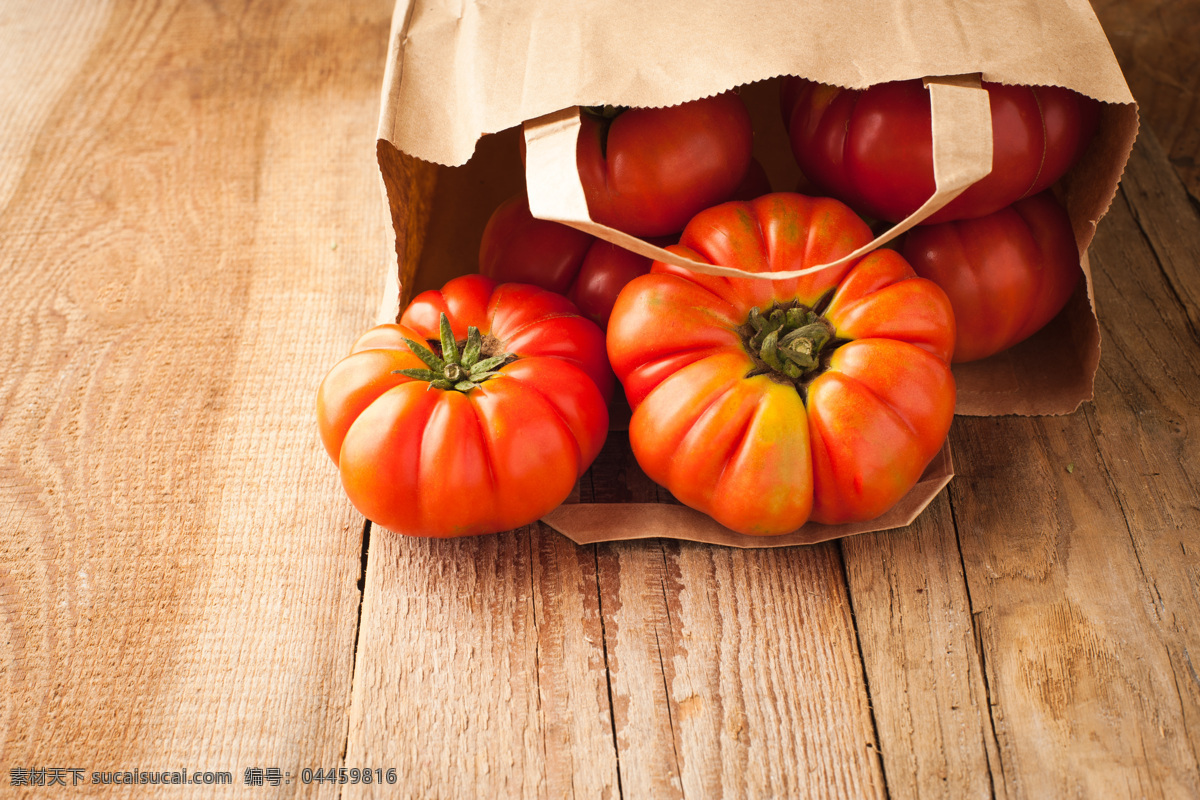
(193, 234)
(481, 669)
(1078, 537)
(1154, 380)
(533, 662)
(923, 668)
(39, 32)
(735, 673)
(1155, 44)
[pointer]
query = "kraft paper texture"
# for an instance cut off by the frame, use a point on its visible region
(463, 69)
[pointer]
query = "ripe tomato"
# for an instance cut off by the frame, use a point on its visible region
(517, 248)
(766, 403)
(1007, 274)
(647, 171)
(873, 148)
(476, 414)
(754, 185)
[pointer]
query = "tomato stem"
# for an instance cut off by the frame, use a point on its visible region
(457, 367)
(790, 343)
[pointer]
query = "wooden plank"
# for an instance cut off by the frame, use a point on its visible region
(35, 34)
(1155, 44)
(1078, 536)
(177, 566)
(1147, 403)
(918, 644)
(481, 669)
(732, 673)
(735, 673)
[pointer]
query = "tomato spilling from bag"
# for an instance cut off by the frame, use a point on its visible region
(517, 248)
(873, 148)
(1007, 274)
(647, 171)
(767, 403)
(476, 414)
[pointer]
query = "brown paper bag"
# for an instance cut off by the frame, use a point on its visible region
(456, 73)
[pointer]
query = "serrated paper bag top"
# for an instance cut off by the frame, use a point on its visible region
(459, 70)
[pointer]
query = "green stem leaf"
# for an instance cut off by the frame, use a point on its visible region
(770, 351)
(449, 345)
(472, 348)
(487, 365)
(425, 354)
(419, 374)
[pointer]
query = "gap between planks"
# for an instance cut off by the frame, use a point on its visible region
(862, 663)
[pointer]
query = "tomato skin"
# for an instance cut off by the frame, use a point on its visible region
(1006, 274)
(861, 413)
(874, 148)
(755, 183)
(603, 274)
(749, 449)
(425, 461)
(649, 170)
(590, 272)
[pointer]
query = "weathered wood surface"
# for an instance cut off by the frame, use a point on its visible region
(1155, 42)
(192, 231)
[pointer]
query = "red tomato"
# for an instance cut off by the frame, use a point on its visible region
(517, 248)
(490, 437)
(766, 403)
(755, 183)
(873, 148)
(1007, 274)
(647, 171)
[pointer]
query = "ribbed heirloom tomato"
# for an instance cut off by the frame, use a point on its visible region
(590, 272)
(873, 148)
(646, 171)
(1007, 274)
(476, 414)
(766, 403)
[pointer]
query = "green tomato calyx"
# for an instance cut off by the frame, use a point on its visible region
(789, 343)
(460, 367)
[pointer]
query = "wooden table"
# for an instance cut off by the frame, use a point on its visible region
(192, 232)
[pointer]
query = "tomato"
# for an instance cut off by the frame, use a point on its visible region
(477, 413)
(873, 148)
(1007, 274)
(590, 272)
(755, 183)
(647, 171)
(767, 403)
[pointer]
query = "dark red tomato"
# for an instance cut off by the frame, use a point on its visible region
(754, 185)
(873, 148)
(517, 248)
(647, 171)
(1006, 274)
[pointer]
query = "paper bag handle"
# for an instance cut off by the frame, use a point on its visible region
(962, 154)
